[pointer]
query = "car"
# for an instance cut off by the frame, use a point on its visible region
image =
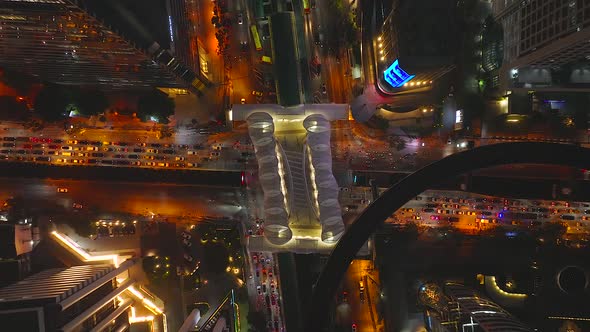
(264, 288)
(70, 141)
(186, 235)
(91, 148)
(163, 165)
(77, 161)
(257, 93)
(133, 156)
(62, 190)
(9, 139)
(150, 163)
(323, 89)
(259, 289)
(179, 158)
(66, 148)
(122, 162)
(135, 163)
(243, 101)
(187, 242)
(92, 161)
(567, 217)
(353, 327)
(8, 145)
(189, 258)
(98, 154)
(149, 157)
(37, 152)
(107, 162)
(53, 147)
(168, 151)
(240, 18)
(138, 150)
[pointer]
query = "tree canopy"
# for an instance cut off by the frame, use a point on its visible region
(51, 102)
(91, 102)
(155, 104)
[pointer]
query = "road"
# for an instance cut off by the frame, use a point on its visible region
(362, 311)
(137, 198)
(125, 148)
(475, 213)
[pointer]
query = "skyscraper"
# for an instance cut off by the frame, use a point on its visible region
(59, 42)
(418, 35)
(546, 43)
(85, 297)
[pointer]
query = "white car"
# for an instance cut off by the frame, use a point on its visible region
(187, 242)
(240, 18)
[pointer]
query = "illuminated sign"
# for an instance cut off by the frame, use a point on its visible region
(170, 28)
(459, 116)
(395, 76)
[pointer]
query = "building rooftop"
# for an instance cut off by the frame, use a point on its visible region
(53, 285)
(60, 42)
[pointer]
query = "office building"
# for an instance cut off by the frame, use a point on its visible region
(420, 36)
(546, 43)
(79, 298)
(474, 312)
(59, 41)
(16, 243)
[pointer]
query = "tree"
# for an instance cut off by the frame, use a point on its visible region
(51, 102)
(155, 104)
(91, 102)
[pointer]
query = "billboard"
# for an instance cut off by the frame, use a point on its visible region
(395, 76)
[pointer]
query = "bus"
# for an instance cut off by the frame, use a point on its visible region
(306, 6)
(256, 37)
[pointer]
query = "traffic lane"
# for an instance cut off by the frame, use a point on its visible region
(262, 287)
(360, 310)
(136, 198)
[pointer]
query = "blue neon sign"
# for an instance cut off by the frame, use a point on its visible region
(395, 76)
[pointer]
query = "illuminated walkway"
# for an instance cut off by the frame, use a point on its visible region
(301, 208)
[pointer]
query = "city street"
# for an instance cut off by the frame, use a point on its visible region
(473, 213)
(176, 202)
(363, 310)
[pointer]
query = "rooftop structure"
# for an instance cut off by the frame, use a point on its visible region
(419, 36)
(83, 297)
(480, 313)
(542, 37)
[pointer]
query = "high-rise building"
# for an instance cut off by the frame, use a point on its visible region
(420, 36)
(65, 42)
(79, 298)
(546, 43)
